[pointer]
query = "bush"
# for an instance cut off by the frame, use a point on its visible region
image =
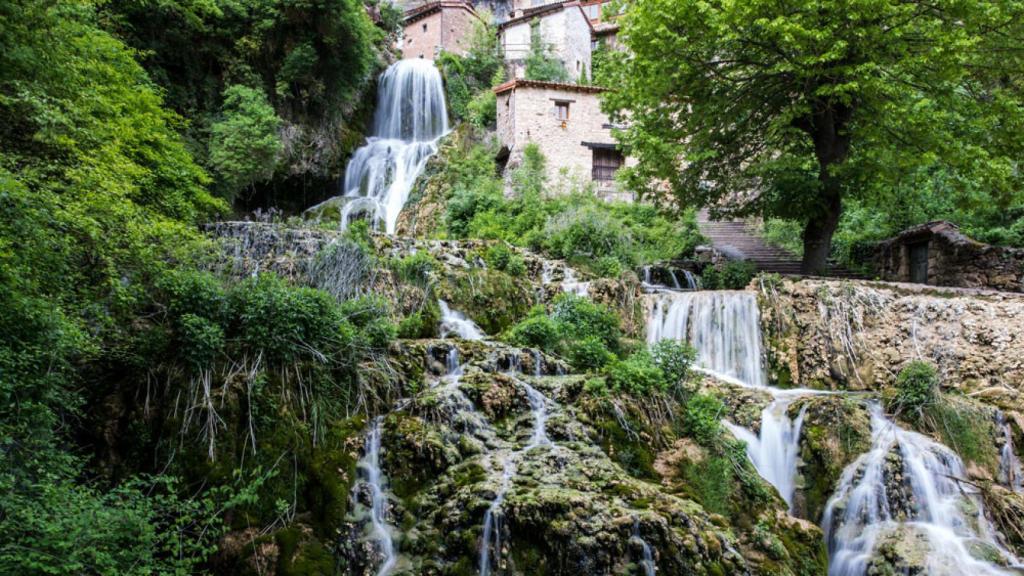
(537, 330)
(589, 353)
(244, 144)
(733, 275)
(422, 323)
(500, 257)
(702, 419)
(635, 375)
(578, 317)
(417, 268)
(674, 359)
(917, 387)
(201, 341)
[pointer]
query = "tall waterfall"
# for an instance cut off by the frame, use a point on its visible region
(370, 474)
(723, 326)
(915, 498)
(410, 119)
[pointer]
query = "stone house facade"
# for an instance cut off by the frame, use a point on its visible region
(567, 124)
(564, 30)
(435, 26)
(937, 253)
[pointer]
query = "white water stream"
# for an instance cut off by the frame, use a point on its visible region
(879, 496)
(455, 323)
(647, 555)
(369, 472)
(1010, 473)
(409, 121)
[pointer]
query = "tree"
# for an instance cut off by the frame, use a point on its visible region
(245, 145)
(785, 108)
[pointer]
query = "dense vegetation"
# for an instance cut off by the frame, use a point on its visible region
(880, 103)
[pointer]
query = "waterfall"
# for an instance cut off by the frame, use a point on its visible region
(491, 538)
(1010, 472)
(409, 121)
(370, 474)
(692, 282)
(456, 323)
(912, 497)
(647, 561)
(776, 452)
(572, 284)
(723, 326)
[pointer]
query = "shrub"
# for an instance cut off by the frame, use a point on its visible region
(422, 323)
(193, 292)
(635, 375)
(733, 275)
(244, 143)
(702, 419)
(578, 317)
(417, 268)
(201, 340)
(537, 330)
(673, 358)
(589, 353)
(917, 388)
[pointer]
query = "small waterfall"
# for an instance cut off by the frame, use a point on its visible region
(913, 497)
(692, 282)
(723, 326)
(457, 324)
(647, 560)
(491, 539)
(572, 284)
(776, 452)
(370, 474)
(675, 281)
(1010, 473)
(410, 120)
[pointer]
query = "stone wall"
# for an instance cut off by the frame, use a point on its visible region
(527, 113)
(953, 259)
(564, 31)
(440, 25)
(857, 335)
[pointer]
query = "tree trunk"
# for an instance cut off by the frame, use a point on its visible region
(827, 128)
(818, 237)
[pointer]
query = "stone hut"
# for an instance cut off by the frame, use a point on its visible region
(564, 30)
(566, 122)
(435, 26)
(937, 253)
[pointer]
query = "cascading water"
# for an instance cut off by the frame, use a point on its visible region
(905, 488)
(572, 284)
(723, 326)
(491, 538)
(775, 453)
(370, 475)
(647, 555)
(410, 120)
(457, 324)
(1010, 472)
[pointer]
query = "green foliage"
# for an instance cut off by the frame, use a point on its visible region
(636, 375)
(540, 63)
(537, 330)
(244, 143)
(589, 353)
(311, 59)
(917, 387)
(605, 238)
(469, 78)
(802, 106)
(674, 359)
(500, 257)
(732, 275)
(417, 268)
(702, 419)
(202, 340)
(422, 323)
(580, 317)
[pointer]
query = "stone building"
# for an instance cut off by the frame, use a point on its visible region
(937, 253)
(566, 122)
(435, 26)
(564, 30)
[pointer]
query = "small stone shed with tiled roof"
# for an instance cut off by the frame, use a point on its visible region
(938, 253)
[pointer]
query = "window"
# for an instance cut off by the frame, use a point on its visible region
(606, 162)
(424, 27)
(562, 111)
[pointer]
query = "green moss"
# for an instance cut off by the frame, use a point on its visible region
(493, 299)
(300, 556)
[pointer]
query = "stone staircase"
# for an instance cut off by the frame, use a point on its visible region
(736, 240)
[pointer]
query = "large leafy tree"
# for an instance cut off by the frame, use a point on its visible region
(786, 107)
